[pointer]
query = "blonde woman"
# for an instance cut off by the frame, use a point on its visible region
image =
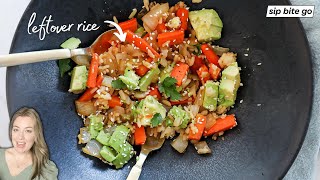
(29, 156)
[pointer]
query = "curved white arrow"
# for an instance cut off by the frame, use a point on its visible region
(122, 36)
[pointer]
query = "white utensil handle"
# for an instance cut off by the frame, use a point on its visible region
(136, 169)
(32, 57)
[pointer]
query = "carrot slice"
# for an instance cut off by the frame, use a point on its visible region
(222, 124)
(161, 28)
(140, 136)
(183, 14)
(214, 71)
(114, 101)
(175, 37)
(200, 124)
(131, 25)
(179, 72)
(203, 74)
(198, 62)
(93, 71)
(154, 91)
(142, 44)
(186, 101)
(99, 80)
(141, 70)
(88, 94)
(210, 54)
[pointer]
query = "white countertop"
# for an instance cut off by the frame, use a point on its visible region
(10, 13)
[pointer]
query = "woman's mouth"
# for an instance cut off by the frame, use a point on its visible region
(21, 144)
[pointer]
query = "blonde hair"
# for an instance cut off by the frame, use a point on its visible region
(39, 150)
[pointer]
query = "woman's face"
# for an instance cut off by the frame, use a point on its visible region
(23, 133)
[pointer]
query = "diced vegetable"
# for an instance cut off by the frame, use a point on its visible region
(222, 124)
(210, 54)
(214, 71)
(114, 101)
(174, 37)
(180, 144)
(141, 44)
(99, 80)
(151, 19)
(140, 136)
(200, 123)
(203, 73)
(226, 59)
(123, 156)
(202, 147)
(180, 116)
(130, 79)
(84, 136)
(96, 125)
(141, 70)
(71, 43)
(88, 94)
(179, 71)
(146, 79)
(108, 153)
(154, 91)
(93, 71)
(93, 148)
(183, 14)
(198, 62)
(161, 28)
(210, 98)
(131, 25)
(79, 77)
(146, 109)
(119, 138)
(103, 138)
(85, 108)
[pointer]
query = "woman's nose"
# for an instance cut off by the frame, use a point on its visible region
(21, 135)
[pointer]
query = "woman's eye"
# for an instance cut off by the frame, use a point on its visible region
(29, 131)
(14, 130)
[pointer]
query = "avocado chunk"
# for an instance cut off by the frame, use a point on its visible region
(146, 109)
(130, 79)
(210, 98)
(230, 82)
(108, 153)
(207, 24)
(71, 43)
(180, 116)
(96, 125)
(123, 156)
(79, 78)
(227, 92)
(146, 79)
(119, 138)
(103, 138)
(232, 73)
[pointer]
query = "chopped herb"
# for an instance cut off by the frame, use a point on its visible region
(64, 66)
(198, 50)
(168, 86)
(118, 84)
(156, 120)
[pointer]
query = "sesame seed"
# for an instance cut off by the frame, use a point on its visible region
(246, 55)
(259, 64)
